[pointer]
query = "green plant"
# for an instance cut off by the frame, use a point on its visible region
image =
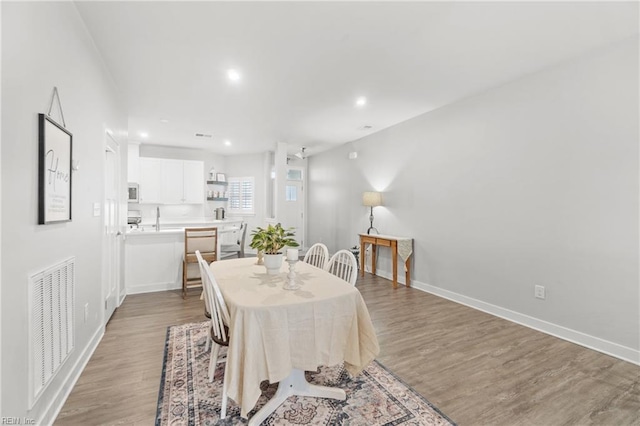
(271, 239)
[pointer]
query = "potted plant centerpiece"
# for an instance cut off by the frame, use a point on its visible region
(270, 241)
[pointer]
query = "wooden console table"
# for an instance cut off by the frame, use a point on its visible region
(406, 248)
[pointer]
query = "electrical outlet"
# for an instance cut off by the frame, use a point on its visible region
(539, 292)
(86, 312)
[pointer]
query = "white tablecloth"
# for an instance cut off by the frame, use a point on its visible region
(274, 330)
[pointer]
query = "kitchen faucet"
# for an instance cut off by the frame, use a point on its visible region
(157, 218)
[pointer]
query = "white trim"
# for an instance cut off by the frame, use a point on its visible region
(597, 344)
(152, 288)
(57, 402)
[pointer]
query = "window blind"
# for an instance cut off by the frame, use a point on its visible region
(241, 195)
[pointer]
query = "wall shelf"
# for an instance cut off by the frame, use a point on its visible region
(217, 182)
(217, 199)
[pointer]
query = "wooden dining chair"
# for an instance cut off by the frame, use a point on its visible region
(204, 240)
(237, 248)
(344, 265)
(317, 255)
(219, 330)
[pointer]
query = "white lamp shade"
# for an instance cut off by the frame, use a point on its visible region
(371, 199)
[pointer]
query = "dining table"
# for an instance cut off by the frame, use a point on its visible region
(277, 334)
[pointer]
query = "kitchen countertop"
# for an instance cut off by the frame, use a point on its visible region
(176, 227)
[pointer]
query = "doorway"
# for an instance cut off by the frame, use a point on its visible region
(293, 214)
(112, 234)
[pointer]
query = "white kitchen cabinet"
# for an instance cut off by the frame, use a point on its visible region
(150, 180)
(168, 181)
(172, 182)
(193, 182)
(160, 249)
(164, 251)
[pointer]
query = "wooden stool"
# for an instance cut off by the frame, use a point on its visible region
(205, 240)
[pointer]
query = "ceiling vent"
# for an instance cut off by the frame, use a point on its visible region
(203, 135)
(366, 127)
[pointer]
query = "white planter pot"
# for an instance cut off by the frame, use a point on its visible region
(273, 263)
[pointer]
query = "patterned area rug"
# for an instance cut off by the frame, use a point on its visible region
(375, 397)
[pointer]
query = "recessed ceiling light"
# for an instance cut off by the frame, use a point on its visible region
(144, 135)
(233, 75)
(227, 143)
(361, 101)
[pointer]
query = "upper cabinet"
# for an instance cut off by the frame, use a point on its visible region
(166, 181)
(172, 182)
(150, 180)
(193, 182)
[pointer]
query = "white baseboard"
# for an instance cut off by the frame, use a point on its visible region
(610, 348)
(387, 275)
(57, 402)
(152, 288)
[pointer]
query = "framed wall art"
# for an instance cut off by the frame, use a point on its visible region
(54, 171)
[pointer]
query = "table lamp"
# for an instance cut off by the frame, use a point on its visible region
(371, 199)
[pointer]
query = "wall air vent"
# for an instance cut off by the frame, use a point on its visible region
(51, 324)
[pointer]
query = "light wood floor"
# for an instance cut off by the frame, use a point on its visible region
(478, 369)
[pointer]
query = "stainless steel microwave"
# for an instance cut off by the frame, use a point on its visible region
(134, 193)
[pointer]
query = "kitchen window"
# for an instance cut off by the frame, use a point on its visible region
(241, 195)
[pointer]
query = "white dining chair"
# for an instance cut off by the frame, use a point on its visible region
(344, 265)
(219, 331)
(237, 248)
(207, 309)
(317, 255)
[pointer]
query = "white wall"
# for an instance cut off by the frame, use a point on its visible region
(44, 45)
(533, 182)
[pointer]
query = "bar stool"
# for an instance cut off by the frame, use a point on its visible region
(204, 240)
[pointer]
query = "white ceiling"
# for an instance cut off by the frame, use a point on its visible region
(303, 64)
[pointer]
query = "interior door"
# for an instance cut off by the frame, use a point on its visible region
(293, 216)
(112, 234)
